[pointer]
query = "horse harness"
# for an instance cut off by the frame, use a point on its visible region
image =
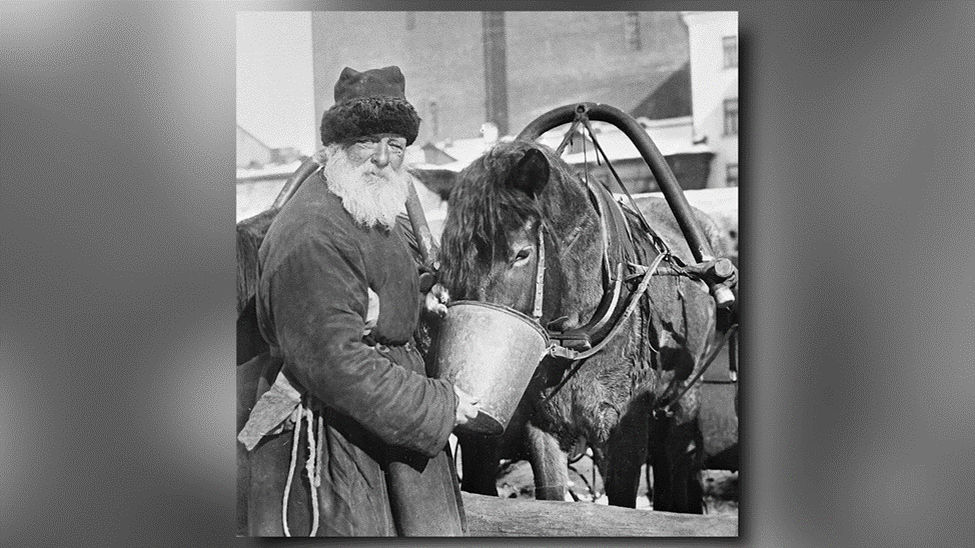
(619, 254)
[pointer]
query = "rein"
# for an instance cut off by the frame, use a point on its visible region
(618, 251)
(662, 411)
(620, 246)
(558, 351)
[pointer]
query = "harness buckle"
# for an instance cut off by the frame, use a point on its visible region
(558, 351)
(576, 339)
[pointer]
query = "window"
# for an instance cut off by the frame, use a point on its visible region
(631, 30)
(732, 174)
(730, 44)
(410, 20)
(731, 116)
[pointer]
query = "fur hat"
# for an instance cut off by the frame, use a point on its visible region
(368, 103)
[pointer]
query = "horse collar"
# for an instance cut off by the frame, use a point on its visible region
(617, 240)
(618, 250)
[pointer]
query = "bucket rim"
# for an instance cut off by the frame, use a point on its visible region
(508, 310)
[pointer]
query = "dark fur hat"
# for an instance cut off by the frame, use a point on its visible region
(367, 103)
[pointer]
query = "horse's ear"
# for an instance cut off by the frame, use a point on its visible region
(531, 174)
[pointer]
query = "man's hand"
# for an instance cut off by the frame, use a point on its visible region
(436, 300)
(466, 407)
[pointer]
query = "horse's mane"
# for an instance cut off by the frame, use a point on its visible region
(483, 208)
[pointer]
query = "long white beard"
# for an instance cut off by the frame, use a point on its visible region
(371, 195)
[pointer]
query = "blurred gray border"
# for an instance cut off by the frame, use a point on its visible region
(116, 185)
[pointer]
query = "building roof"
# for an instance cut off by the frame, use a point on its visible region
(251, 136)
(464, 151)
(671, 136)
(269, 171)
(654, 94)
(671, 99)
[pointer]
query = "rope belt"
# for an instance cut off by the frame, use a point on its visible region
(313, 465)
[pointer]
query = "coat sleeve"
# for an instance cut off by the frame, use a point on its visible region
(318, 301)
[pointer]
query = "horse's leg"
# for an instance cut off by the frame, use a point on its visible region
(649, 472)
(549, 464)
(687, 449)
(626, 453)
(675, 458)
(659, 463)
(480, 457)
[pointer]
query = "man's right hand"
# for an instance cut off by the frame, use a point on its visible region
(436, 300)
(467, 407)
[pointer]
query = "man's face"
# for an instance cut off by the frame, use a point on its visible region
(369, 176)
(382, 150)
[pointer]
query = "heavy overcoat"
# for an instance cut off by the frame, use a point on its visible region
(386, 466)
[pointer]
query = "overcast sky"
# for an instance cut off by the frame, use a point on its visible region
(275, 100)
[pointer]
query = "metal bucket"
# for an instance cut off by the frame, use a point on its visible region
(489, 351)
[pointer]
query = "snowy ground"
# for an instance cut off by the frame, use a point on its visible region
(720, 486)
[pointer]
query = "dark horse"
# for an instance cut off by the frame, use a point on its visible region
(499, 207)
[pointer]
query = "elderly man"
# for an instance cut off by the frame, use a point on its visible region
(350, 412)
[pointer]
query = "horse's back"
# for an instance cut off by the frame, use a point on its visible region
(250, 235)
(661, 219)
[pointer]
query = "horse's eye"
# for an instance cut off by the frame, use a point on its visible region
(523, 254)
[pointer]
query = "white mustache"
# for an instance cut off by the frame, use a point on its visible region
(372, 194)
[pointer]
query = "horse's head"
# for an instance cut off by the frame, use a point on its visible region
(503, 208)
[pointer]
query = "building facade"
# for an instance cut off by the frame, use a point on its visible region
(467, 68)
(713, 41)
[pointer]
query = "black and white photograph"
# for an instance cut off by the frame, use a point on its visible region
(487, 274)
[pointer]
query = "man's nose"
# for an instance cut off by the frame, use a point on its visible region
(380, 156)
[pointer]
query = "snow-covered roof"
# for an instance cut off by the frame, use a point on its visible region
(464, 150)
(269, 171)
(670, 138)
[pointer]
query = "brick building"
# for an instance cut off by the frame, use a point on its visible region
(467, 68)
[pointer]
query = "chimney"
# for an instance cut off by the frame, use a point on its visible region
(495, 70)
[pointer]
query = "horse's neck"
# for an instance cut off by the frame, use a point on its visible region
(647, 243)
(579, 256)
